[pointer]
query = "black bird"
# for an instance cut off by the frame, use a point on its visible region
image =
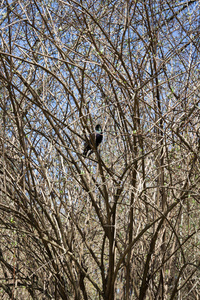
(94, 140)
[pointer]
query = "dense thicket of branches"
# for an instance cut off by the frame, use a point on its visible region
(123, 223)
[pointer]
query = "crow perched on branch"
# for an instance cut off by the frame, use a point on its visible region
(95, 139)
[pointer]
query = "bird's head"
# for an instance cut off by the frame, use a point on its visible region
(98, 128)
